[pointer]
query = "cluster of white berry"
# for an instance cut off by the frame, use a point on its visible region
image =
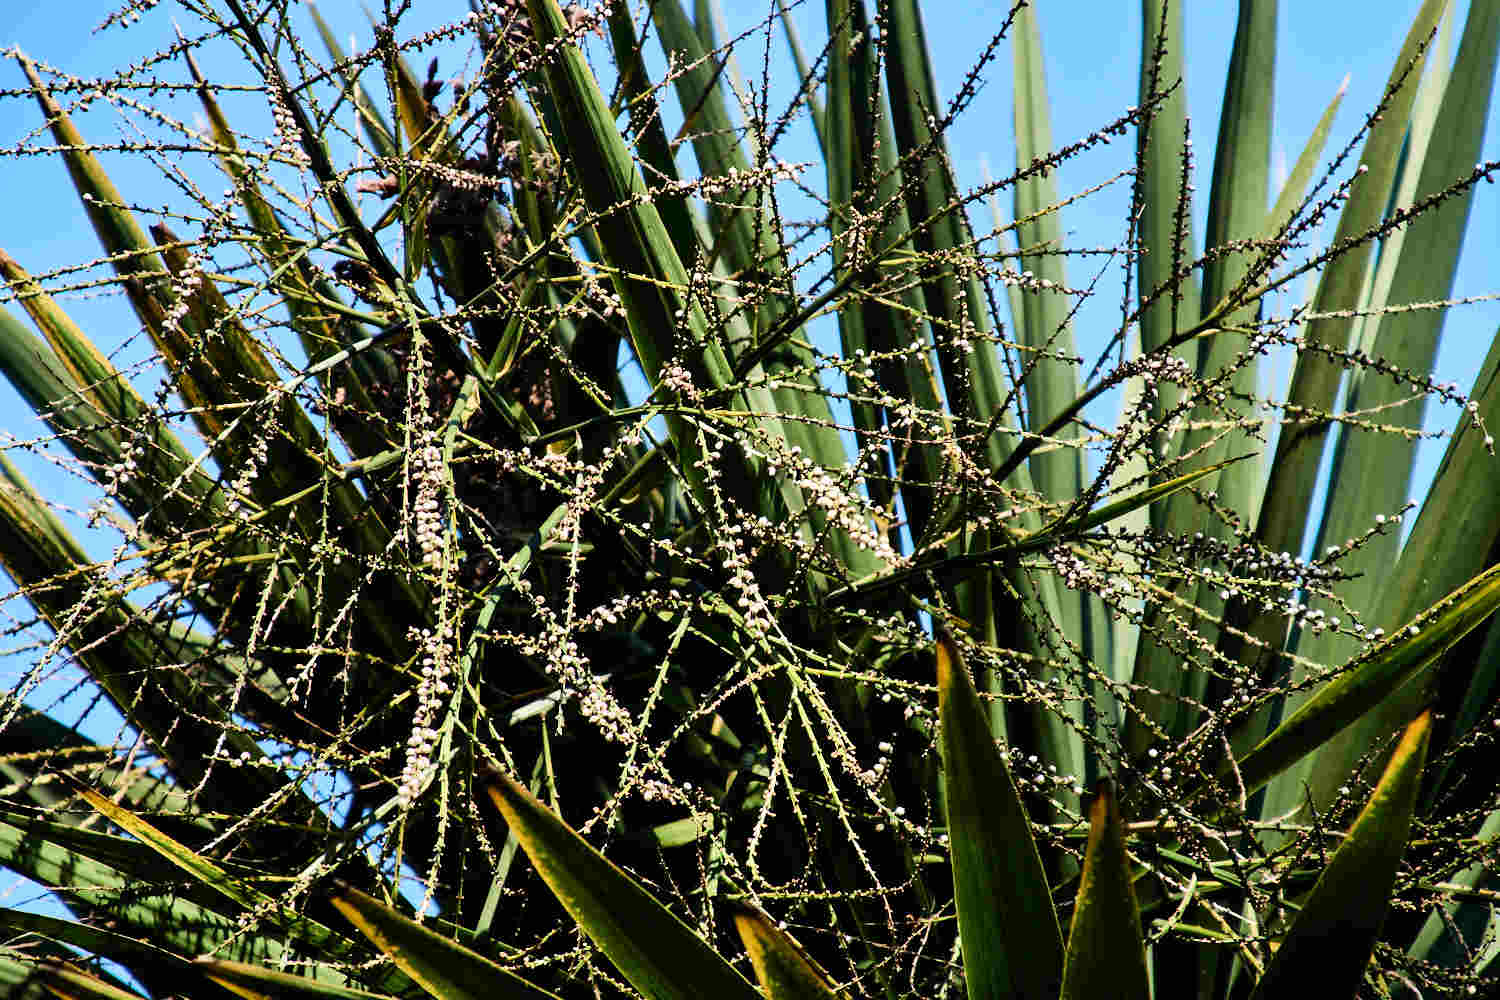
(425, 467)
(437, 666)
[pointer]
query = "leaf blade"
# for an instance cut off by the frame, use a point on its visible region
(1387, 669)
(444, 968)
(1106, 954)
(1333, 937)
(673, 963)
(782, 968)
(1012, 944)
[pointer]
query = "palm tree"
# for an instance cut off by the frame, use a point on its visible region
(497, 435)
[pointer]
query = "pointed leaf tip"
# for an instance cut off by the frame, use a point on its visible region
(1012, 943)
(783, 969)
(947, 656)
(1334, 934)
(1106, 953)
(671, 963)
(444, 968)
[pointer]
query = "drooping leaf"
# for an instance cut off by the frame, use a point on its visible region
(237, 890)
(70, 984)
(444, 968)
(1384, 671)
(670, 963)
(255, 982)
(155, 967)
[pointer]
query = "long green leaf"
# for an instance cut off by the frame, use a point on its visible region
(231, 370)
(1242, 163)
(1135, 464)
(310, 933)
(845, 164)
(1236, 211)
(973, 379)
(444, 968)
(1332, 938)
(1106, 953)
(740, 231)
(301, 286)
(69, 984)
(1287, 205)
(1316, 374)
(256, 982)
(671, 962)
(1160, 151)
(91, 402)
(1012, 944)
(648, 132)
(69, 862)
(1356, 497)
(132, 255)
(155, 967)
(1386, 670)
(957, 314)
(648, 274)
(881, 315)
(782, 968)
(799, 59)
(1049, 374)
(750, 248)
(119, 650)
(29, 736)
(130, 857)
(1409, 341)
